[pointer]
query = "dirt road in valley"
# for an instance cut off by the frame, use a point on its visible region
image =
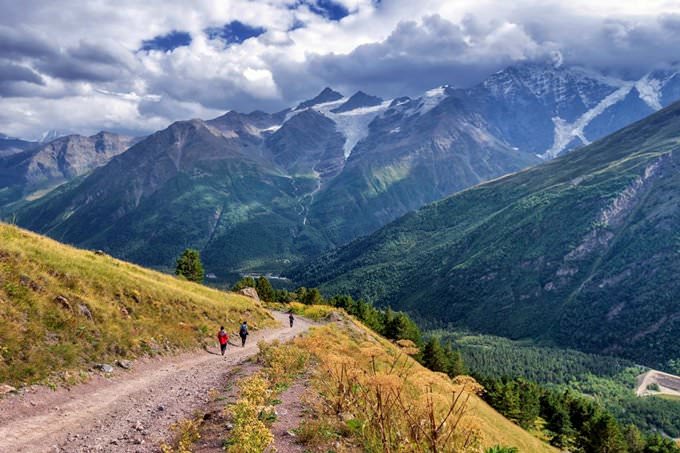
(128, 411)
(668, 384)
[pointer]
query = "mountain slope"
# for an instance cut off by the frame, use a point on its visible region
(51, 164)
(188, 185)
(573, 251)
(76, 308)
(410, 159)
(349, 350)
(10, 145)
(258, 191)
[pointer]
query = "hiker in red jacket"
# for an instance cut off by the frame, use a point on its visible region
(223, 338)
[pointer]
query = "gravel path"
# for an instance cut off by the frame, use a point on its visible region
(127, 411)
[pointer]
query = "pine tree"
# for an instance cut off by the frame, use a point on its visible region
(603, 435)
(634, 439)
(264, 289)
(456, 364)
(434, 356)
(189, 266)
(312, 297)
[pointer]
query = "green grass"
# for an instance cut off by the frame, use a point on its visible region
(134, 311)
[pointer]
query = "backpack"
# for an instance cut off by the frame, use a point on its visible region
(244, 330)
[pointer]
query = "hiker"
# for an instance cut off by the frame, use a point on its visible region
(223, 338)
(243, 333)
(291, 318)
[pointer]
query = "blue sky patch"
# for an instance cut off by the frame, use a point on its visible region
(234, 32)
(167, 42)
(329, 9)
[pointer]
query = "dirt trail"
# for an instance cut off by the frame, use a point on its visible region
(129, 411)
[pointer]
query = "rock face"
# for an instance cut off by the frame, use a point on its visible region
(61, 160)
(250, 292)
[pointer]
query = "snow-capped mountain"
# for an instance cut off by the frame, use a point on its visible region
(547, 109)
(51, 135)
(334, 167)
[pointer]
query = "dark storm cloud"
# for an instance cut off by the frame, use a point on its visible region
(10, 72)
(16, 80)
(18, 43)
(418, 56)
(86, 61)
(415, 57)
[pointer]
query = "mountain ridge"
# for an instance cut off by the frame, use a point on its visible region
(569, 251)
(324, 173)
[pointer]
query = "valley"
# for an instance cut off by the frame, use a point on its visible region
(340, 226)
(568, 252)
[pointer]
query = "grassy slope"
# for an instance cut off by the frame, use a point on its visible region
(349, 341)
(134, 310)
(495, 257)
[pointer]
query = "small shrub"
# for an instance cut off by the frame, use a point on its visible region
(186, 432)
(250, 434)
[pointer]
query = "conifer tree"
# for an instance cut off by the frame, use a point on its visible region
(434, 356)
(189, 266)
(264, 289)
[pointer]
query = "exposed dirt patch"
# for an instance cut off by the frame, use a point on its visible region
(665, 384)
(214, 429)
(290, 413)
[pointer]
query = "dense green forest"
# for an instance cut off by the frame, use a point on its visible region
(607, 380)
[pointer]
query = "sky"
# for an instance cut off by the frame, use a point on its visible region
(134, 67)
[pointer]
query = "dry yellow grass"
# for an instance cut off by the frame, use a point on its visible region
(63, 309)
(363, 352)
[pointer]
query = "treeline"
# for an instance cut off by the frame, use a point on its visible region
(490, 356)
(572, 422)
(610, 380)
(393, 325)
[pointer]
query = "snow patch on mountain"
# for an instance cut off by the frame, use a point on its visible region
(431, 99)
(353, 124)
(566, 132)
(649, 91)
(50, 135)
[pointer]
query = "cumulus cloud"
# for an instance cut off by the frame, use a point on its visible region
(137, 66)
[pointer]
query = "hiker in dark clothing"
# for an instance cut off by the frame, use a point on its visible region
(243, 333)
(223, 338)
(291, 318)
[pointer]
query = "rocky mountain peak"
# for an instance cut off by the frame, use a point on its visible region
(326, 95)
(358, 100)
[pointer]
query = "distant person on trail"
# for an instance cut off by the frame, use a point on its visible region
(291, 318)
(223, 338)
(243, 333)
